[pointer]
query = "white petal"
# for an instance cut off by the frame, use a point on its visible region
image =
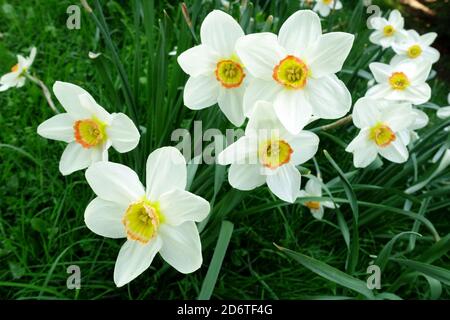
(94, 109)
(379, 91)
(59, 127)
(305, 146)
(285, 183)
(198, 60)
(231, 103)
(329, 97)
(300, 31)
(366, 113)
(264, 121)
(239, 152)
(364, 151)
(246, 176)
(133, 259)
(166, 171)
(259, 90)
(443, 112)
(399, 116)
(420, 72)
(396, 151)
(418, 94)
(313, 188)
(376, 36)
(380, 71)
(329, 54)
(431, 55)
(293, 109)
(220, 32)
(201, 92)
(378, 22)
(318, 213)
(67, 94)
(181, 247)
(396, 19)
(427, 39)
(105, 218)
(178, 206)
(260, 53)
(114, 182)
(74, 158)
(123, 133)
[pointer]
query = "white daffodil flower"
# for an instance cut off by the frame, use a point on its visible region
(16, 78)
(216, 73)
(404, 81)
(380, 122)
(416, 47)
(268, 153)
(160, 218)
(296, 70)
(388, 32)
(444, 112)
(314, 189)
(324, 7)
(88, 129)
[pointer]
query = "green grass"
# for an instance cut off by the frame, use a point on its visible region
(41, 212)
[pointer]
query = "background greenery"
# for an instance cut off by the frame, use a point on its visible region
(41, 212)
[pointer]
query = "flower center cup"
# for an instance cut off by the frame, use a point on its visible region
(291, 72)
(15, 68)
(327, 1)
(382, 135)
(388, 31)
(399, 81)
(274, 153)
(229, 73)
(313, 205)
(414, 51)
(142, 220)
(89, 132)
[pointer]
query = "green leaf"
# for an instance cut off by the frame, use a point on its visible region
(330, 273)
(226, 230)
(438, 273)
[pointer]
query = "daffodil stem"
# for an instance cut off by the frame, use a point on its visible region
(45, 91)
(335, 124)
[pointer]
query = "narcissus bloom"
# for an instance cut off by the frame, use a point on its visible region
(416, 47)
(160, 218)
(314, 189)
(296, 70)
(404, 81)
(16, 78)
(88, 129)
(216, 73)
(388, 32)
(444, 112)
(268, 153)
(324, 7)
(380, 122)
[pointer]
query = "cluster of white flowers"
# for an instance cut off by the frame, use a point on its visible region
(281, 83)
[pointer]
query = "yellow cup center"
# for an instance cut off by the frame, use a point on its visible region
(142, 220)
(274, 153)
(89, 132)
(414, 51)
(388, 30)
(382, 135)
(291, 72)
(15, 67)
(229, 73)
(313, 205)
(399, 81)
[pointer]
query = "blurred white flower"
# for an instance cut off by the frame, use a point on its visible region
(268, 153)
(314, 189)
(16, 78)
(380, 122)
(416, 47)
(160, 218)
(216, 73)
(296, 70)
(88, 129)
(324, 7)
(444, 112)
(94, 55)
(388, 31)
(404, 81)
